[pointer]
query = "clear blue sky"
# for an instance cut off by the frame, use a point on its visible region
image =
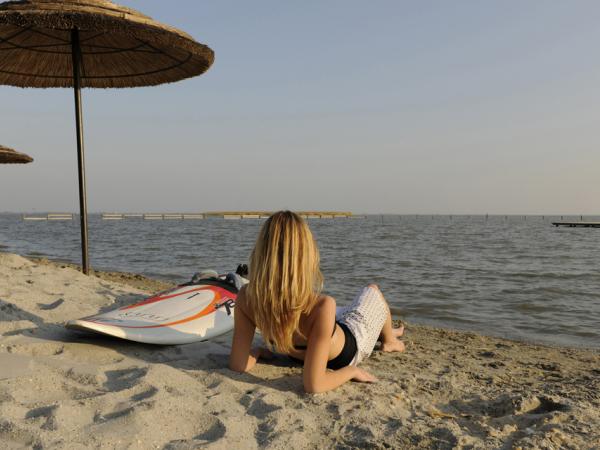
(388, 106)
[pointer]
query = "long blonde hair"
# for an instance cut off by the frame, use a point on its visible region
(285, 278)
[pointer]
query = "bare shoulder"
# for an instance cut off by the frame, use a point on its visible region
(326, 301)
(324, 307)
(321, 316)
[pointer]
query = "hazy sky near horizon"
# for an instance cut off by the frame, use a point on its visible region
(374, 107)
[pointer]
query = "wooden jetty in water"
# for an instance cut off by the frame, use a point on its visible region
(227, 215)
(50, 216)
(580, 223)
(237, 215)
(152, 216)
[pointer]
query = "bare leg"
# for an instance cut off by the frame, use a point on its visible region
(389, 335)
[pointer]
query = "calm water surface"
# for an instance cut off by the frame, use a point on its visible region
(505, 276)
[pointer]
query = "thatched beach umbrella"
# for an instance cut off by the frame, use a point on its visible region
(10, 156)
(94, 44)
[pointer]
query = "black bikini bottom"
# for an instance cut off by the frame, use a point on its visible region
(346, 355)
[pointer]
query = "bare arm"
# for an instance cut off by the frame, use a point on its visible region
(316, 377)
(242, 358)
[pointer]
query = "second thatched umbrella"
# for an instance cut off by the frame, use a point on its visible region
(95, 44)
(10, 156)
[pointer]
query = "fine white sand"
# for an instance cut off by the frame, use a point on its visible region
(61, 389)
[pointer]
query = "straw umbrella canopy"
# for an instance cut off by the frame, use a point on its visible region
(10, 156)
(93, 44)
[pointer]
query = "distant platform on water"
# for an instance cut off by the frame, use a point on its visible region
(152, 216)
(266, 214)
(49, 216)
(580, 223)
(228, 215)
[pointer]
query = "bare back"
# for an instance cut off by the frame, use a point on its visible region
(307, 322)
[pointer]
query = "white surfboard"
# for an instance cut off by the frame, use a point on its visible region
(188, 313)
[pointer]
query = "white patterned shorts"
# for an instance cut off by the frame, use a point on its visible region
(365, 318)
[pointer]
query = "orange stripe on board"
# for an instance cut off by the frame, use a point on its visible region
(220, 293)
(158, 298)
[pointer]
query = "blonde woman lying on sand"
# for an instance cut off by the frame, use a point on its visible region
(283, 300)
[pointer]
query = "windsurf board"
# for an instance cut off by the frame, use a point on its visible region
(188, 313)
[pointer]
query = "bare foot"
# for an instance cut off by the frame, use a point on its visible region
(393, 346)
(398, 331)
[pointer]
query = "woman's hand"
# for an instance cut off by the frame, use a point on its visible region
(363, 376)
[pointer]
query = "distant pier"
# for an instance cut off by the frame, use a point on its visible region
(152, 216)
(577, 224)
(237, 215)
(227, 215)
(50, 216)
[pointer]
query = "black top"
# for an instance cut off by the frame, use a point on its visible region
(346, 355)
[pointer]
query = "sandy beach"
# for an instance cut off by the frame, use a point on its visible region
(61, 389)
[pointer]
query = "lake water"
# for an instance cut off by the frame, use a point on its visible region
(510, 276)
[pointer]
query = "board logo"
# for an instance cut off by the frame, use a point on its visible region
(229, 304)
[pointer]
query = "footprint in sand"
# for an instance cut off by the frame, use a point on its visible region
(443, 438)
(45, 414)
(258, 407)
(211, 429)
(100, 418)
(145, 395)
(11, 436)
(355, 435)
(119, 380)
(505, 406)
(137, 402)
(50, 306)
(542, 405)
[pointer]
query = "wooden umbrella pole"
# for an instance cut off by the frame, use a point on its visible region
(76, 53)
